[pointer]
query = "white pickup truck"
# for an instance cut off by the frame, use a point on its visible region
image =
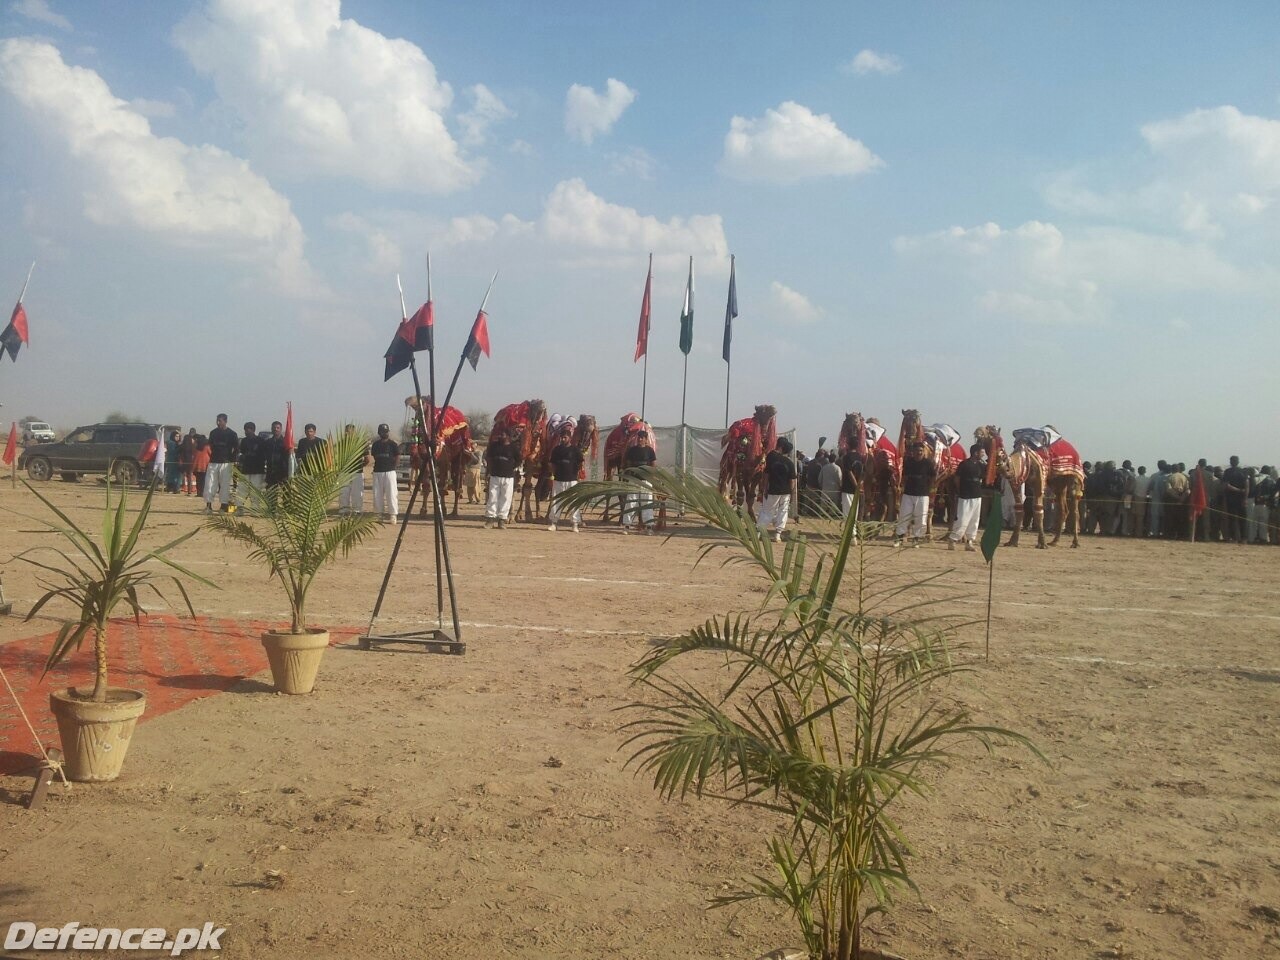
(37, 431)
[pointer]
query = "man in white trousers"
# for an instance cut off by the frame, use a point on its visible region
(351, 499)
(224, 447)
(969, 477)
(917, 480)
(566, 463)
(502, 457)
(386, 457)
(780, 484)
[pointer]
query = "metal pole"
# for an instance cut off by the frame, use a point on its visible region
(991, 577)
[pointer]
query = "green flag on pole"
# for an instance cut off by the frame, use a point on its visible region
(686, 315)
(991, 532)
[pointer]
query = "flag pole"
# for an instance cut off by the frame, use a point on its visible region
(644, 383)
(435, 485)
(28, 280)
(991, 579)
(728, 346)
(463, 359)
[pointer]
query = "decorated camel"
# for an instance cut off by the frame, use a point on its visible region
(625, 435)
(1046, 464)
(453, 448)
(943, 442)
(525, 424)
(1025, 472)
(746, 444)
(583, 434)
(854, 438)
(882, 482)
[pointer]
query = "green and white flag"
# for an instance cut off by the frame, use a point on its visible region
(686, 315)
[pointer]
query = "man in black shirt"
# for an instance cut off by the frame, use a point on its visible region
(851, 466)
(917, 480)
(502, 457)
(253, 461)
(969, 477)
(276, 455)
(780, 484)
(1235, 491)
(566, 463)
(224, 445)
(639, 506)
(386, 457)
(310, 444)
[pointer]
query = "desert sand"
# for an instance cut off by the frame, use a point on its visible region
(420, 805)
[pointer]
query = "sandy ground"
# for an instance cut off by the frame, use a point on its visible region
(477, 807)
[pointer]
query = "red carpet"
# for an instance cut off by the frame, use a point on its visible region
(174, 661)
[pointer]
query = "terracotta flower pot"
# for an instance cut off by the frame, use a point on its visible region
(295, 658)
(95, 736)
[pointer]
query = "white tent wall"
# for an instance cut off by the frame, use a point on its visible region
(699, 453)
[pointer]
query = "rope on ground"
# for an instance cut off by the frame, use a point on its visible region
(49, 762)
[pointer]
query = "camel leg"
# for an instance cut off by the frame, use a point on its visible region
(1075, 521)
(1018, 507)
(1060, 499)
(1039, 520)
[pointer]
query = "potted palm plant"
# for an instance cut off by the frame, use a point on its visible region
(289, 529)
(829, 708)
(96, 727)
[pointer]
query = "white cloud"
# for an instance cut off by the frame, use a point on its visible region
(792, 305)
(868, 61)
(197, 197)
(575, 225)
(40, 11)
(320, 95)
(792, 143)
(152, 108)
(635, 162)
(382, 255)
(588, 114)
(486, 110)
(521, 148)
(574, 216)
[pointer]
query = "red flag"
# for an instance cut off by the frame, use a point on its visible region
(478, 340)
(642, 334)
(15, 334)
(288, 428)
(1199, 499)
(424, 327)
(11, 448)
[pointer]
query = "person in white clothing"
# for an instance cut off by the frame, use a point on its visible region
(917, 480)
(351, 499)
(969, 476)
(386, 457)
(503, 458)
(566, 463)
(780, 486)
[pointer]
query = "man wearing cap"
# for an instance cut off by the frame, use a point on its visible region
(917, 479)
(386, 457)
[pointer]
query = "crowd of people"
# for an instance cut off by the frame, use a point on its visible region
(1232, 504)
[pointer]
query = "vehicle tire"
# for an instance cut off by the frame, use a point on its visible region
(125, 472)
(38, 468)
(69, 476)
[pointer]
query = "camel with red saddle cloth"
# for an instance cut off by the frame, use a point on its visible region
(525, 424)
(454, 446)
(746, 443)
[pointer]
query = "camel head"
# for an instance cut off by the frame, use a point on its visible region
(912, 427)
(587, 436)
(853, 435)
(764, 413)
(537, 412)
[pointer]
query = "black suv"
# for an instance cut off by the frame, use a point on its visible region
(112, 448)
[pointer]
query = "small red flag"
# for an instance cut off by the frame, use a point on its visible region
(478, 340)
(1199, 499)
(288, 428)
(642, 334)
(11, 448)
(15, 333)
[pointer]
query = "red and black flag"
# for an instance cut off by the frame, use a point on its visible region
(15, 334)
(478, 340)
(415, 333)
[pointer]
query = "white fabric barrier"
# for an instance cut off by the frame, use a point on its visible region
(696, 449)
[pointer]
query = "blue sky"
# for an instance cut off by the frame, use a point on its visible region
(999, 213)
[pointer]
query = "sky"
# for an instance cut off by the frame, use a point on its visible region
(992, 212)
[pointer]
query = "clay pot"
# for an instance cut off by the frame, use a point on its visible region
(95, 736)
(295, 658)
